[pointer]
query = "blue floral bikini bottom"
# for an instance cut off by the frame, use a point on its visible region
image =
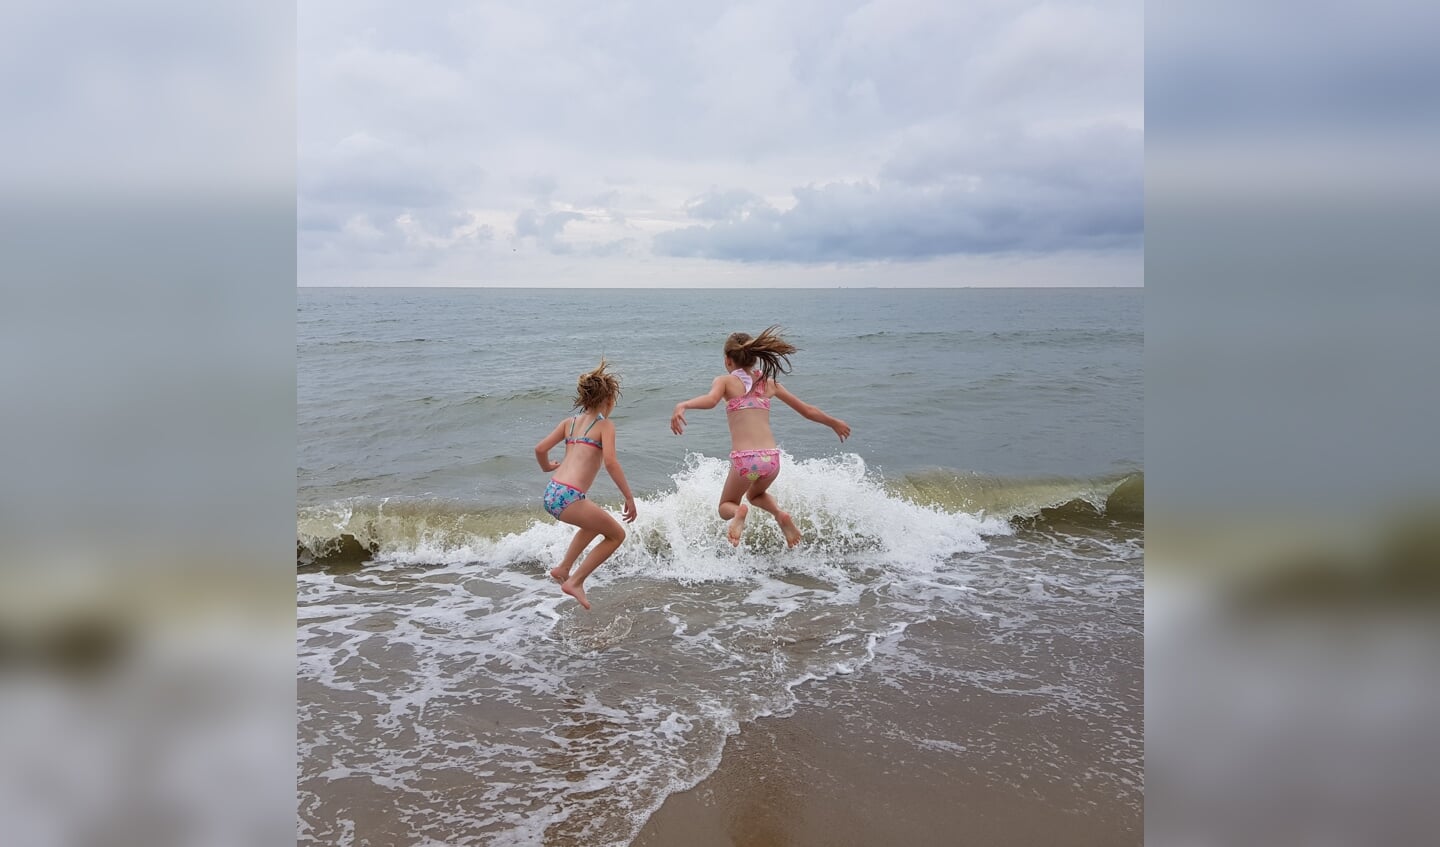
(558, 495)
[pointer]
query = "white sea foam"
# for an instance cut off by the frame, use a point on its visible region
(468, 660)
(842, 509)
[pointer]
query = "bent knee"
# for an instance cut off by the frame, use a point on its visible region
(617, 534)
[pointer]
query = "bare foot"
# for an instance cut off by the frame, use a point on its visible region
(737, 525)
(787, 526)
(575, 591)
(559, 574)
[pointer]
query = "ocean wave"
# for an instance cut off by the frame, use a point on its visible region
(532, 394)
(843, 508)
(1023, 501)
(1024, 337)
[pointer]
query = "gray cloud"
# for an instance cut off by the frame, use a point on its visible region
(717, 205)
(912, 130)
(545, 228)
(542, 186)
(444, 223)
(843, 222)
(1009, 192)
(618, 247)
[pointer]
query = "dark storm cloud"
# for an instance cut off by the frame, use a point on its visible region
(1008, 193)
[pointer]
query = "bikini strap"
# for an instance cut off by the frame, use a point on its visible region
(598, 419)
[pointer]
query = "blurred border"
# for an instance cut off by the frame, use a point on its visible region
(1293, 546)
(147, 228)
(146, 602)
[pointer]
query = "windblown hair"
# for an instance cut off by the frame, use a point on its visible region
(596, 388)
(767, 349)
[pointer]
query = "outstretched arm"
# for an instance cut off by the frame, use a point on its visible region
(812, 413)
(708, 400)
(542, 450)
(612, 467)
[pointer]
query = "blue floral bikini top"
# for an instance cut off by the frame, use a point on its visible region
(570, 439)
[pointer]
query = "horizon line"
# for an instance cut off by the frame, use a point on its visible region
(723, 287)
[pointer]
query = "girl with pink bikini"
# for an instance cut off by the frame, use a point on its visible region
(752, 365)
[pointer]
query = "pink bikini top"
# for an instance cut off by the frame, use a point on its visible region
(754, 396)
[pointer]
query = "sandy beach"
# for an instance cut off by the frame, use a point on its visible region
(831, 774)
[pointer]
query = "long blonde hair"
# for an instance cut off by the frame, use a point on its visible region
(768, 349)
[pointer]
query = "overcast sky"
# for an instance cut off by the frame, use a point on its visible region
(775, 143)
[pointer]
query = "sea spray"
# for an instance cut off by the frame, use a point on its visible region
(842, 508)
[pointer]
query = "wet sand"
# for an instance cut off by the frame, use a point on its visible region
(874, 765)
(1009, 714)
(795, 782)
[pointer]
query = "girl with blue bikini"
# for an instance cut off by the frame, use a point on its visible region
(751, 366)
(595, 396)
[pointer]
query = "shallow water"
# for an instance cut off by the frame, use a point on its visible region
(450, 694)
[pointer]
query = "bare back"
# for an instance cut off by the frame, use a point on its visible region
(583, 454)
(749, 428)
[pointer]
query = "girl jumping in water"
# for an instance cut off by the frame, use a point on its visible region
(589, 442)
(751, 366)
